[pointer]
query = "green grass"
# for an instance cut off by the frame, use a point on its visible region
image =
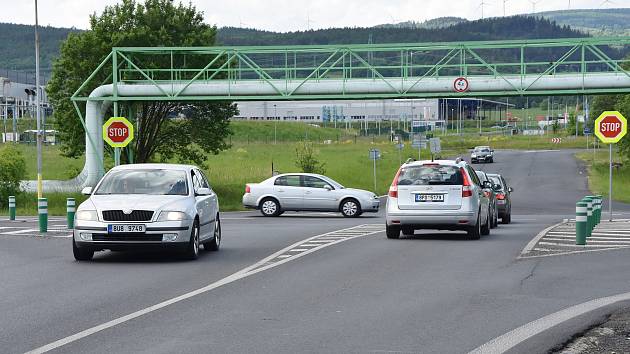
(598, 175)
(27, 203)
(250, 159)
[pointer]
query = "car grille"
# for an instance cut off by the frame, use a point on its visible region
(127, 237)
(136, 215)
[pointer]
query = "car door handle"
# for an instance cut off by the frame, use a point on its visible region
(308, 192)
(280, 190)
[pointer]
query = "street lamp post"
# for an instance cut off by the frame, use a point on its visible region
(275, 124)
(37, 104)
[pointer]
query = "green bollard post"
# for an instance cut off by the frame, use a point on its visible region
(580, 223)
(599, 208)
(589, 216)
(11, 207)
(42, 210)
(70, 210)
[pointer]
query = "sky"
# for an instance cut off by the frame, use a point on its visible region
(287, 15)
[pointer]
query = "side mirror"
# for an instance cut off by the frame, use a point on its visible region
(203, 191)
(510, 189)
(86, 191)
(491, 150)
(327, 187)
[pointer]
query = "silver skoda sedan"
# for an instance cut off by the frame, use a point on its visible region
(307, 192)
(148, 206)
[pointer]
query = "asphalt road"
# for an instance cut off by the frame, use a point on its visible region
(435, 292)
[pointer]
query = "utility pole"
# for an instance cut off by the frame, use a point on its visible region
(275, 124)
(37, 103)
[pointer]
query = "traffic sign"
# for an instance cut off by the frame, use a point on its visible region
(587, 131)
(375, 154)
(400, 146)
(556, 140)
(610, 127)
(435, 145)
(118, 132)
(460, 84)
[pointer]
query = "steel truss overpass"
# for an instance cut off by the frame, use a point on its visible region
(569, 66)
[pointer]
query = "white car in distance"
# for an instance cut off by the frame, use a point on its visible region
(307, 192)
(145, 206)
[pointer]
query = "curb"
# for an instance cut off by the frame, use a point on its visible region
(551, 331)
(540, 235)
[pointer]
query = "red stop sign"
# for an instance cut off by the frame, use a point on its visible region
(117, 132)
(611, 126)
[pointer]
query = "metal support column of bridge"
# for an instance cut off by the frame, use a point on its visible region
(577, 66)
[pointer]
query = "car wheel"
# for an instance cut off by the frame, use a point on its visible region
(81, 254)
(507, 218)
(215, 243)
(392, 232)
(350, 208)
(485, 229)
(474, 231)
(407, 231)
(270, 207)
(192, 249)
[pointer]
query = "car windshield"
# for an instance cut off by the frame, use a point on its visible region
(482, 149)
(433, 174)
(153, 182)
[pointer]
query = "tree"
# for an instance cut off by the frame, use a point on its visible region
(306, 159)
(130, 23)
(12, 170)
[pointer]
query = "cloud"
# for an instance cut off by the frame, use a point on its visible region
(286, 15)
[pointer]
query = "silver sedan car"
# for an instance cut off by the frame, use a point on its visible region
(307, 192)
(148, 206)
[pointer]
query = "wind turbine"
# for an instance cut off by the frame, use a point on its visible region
(534, 5)
(606, 2)
(241, 23)
(504, 1)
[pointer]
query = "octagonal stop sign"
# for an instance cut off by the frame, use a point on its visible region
(610, 127)
(118, 132)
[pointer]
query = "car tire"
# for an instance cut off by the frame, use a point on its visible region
(215, 243)
(407, 231)
(474, 231)
(485, 229)
(192, 248)
(350, 208)
(392, 232)
(270, 207)
(81, 254)
(507, 218)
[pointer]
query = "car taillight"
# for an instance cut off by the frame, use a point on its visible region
(247, 189)
(393, 189)
(466, 186)
(500, 196)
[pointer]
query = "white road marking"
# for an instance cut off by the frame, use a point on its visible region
(257, 267)
(570, 245)
(516, 336)
(25, 231)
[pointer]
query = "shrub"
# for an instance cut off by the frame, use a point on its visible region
(12, 171)
(306, 159)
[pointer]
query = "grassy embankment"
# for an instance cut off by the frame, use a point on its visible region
(598, 174)
(253, 151)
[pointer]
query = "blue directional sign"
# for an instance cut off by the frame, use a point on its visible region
(375, 154)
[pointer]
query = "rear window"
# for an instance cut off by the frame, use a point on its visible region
(430, 175)
(496, 180)
(290, 181)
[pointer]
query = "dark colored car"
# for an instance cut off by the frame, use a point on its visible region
(503, 195)
(489, 192)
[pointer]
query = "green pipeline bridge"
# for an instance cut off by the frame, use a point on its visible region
(569, 66)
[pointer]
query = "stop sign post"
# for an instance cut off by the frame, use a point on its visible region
(610, 128)
(118, 133)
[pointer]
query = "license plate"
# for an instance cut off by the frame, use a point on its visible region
(120, 228)
(429, 198)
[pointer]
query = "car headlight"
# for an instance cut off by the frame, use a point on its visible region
(172, 216)
(87, 215)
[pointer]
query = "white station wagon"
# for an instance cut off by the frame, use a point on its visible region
(146, 206)
(307, 192)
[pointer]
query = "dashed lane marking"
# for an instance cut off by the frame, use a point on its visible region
(274, 260)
